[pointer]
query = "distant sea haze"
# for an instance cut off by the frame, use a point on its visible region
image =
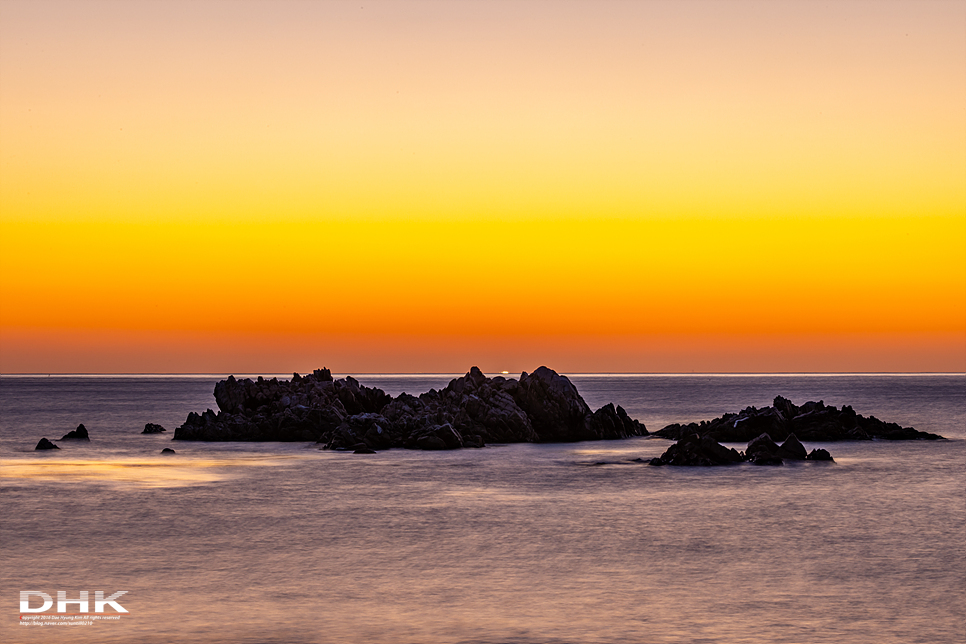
(284, 542)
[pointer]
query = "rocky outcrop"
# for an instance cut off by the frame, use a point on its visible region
(555, 409)
(698, 450)
(477, 409)
(695, 449)
(812, 421)
(819, 455)
(168, 450)
(762, 450)
(474, 410)
(152, 428)
(45, 444)
(761, 445)
(300, 409)
(792, 449)
(79, 434)
(470, 411)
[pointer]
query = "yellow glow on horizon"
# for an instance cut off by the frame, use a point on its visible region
(557, 277)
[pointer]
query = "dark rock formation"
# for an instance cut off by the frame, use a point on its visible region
(555, 409)
(152, 428)
(469, 412)
(695, 449)
(79, 434)
(360, 431)
(761, 445)
(301, 409)
(762, 450)
(698, 450)
(474, 410)
(819, 455)
(792, 449)
(480, 409)
(813, 421)
(168, 450)
(45, 444)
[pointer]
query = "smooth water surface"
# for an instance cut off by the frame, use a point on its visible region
(270, 542)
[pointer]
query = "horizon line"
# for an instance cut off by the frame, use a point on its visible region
(200, 374)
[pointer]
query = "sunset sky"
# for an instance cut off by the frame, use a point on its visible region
(268, 187)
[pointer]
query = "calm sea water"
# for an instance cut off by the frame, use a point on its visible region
(280, 543)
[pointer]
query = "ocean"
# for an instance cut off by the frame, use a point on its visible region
(523, 543)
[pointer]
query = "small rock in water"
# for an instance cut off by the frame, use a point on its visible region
(697, 450)
(77, 434)
(153, 428)
(45, 444)
(364, 450)
(168, 450)
(820, 455)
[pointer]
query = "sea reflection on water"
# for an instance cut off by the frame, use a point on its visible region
(160, 472)
(517, 543)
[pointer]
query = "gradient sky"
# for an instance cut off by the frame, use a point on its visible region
(424, 186)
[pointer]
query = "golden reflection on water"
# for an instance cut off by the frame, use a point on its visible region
(135, 472)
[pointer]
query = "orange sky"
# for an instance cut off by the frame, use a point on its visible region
(645, 187)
